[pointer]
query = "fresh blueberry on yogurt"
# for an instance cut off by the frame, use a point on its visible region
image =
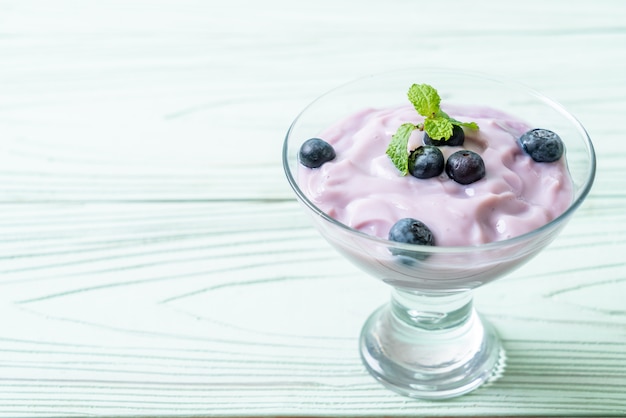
(411, 231)
(315, 152)
(425, 162)
(465, 167)
(543, 145)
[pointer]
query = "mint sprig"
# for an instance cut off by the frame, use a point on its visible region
(397, 149)
(437, 124)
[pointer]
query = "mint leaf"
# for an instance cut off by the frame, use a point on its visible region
(438, 127)
(397, 149)
(471, 125)
(425, 99)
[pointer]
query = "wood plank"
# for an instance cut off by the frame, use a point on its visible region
(239, 309)
(193, 104)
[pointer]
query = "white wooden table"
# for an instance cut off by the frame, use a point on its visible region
(153, 260)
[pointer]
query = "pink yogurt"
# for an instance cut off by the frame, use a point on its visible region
(363, 189)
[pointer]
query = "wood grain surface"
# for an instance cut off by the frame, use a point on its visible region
(154, 262)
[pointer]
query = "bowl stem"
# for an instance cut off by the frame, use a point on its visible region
(431, 345)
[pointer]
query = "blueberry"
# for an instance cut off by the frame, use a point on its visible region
(543, 145)
(314, 152)
(465, 167)
(411, 231)
(426, 162)
(456, 140)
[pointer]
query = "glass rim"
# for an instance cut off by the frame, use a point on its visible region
(582, 192)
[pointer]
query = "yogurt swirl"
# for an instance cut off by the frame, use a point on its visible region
(364, 190)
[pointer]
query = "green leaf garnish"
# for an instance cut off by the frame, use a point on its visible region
(471, 125)
(437, 124)
(438, 127)
(397, 149)
(425, 99)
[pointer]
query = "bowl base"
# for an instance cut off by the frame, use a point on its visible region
(430, 354)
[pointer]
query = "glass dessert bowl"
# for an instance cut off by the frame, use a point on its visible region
(429, 341)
